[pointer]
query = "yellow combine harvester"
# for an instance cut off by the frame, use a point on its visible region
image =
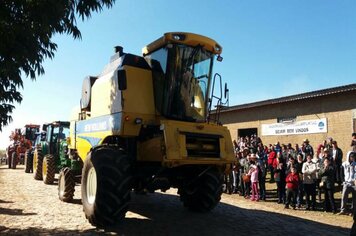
(144, 125)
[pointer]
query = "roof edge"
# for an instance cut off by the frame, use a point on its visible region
(296, 97)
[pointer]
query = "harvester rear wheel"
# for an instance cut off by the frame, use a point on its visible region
(203, 194)
(37, 164)
(13, 160)
(28, 162)
(66, 185)
(48, 169)
(106, 186)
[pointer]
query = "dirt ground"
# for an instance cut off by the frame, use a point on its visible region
(29, 207)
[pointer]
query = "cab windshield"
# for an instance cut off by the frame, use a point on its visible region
(59, 133)
(31, 133)
(182, 81)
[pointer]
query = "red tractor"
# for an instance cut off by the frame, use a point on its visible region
(22, 141)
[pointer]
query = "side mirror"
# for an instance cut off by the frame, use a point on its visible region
(226, 90)
(121, 79)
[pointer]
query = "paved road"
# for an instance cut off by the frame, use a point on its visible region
(28, 207)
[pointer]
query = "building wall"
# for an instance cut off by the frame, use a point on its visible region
(338, 109)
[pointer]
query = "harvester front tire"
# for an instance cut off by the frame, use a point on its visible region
(37, 164)
(28, 162)
(66, 185)
(106, 186)
(48, 169)
(203, 194)
(13, 160)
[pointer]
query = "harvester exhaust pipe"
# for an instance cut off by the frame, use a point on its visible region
(119, 49)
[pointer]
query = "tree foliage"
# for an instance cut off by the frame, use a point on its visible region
(26, 31)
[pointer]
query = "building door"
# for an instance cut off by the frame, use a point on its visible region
(246, 132)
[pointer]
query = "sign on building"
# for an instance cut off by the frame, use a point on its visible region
(300, 127)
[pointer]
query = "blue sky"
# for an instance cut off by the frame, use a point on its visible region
(271, 49)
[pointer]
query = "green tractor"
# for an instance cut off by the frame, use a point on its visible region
(51, 156)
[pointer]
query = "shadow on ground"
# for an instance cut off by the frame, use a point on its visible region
(76, 201)
(3, 201)
(14, 212)
(163, 214)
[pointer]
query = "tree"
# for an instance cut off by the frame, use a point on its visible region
(26, 31)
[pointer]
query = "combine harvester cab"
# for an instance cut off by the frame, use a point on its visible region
(145, 123)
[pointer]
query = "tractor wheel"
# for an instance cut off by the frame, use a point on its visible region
(66, 184)
(203, 194)
(106, 186)
(37, 164)
(28, 162)
(48, 169)
(13, 160)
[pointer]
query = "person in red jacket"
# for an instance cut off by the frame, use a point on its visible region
(270, 161)
(292, 181)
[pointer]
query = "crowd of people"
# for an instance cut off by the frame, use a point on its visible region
(300, 173)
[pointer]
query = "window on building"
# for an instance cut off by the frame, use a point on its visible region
(287, 120)
(246, 132)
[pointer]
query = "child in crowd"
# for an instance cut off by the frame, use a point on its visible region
(253, 172)
(292, 181)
